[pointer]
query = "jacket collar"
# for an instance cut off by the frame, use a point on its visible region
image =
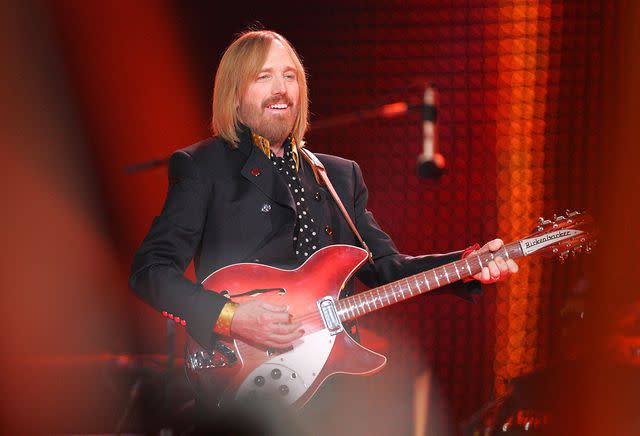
(246, 141)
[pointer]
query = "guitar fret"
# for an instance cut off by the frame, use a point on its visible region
(480, 260)
(359, 304)
(418, 285)
(372, 300)
(386, 294)
(426, 281)
(379, 297)
(468, 267)
(446, 274)
(409, 285)
(456, 267)
(436, 276)
(401, 291)
(366, 301)
(395, 297)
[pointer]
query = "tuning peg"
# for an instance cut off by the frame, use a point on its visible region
(558, 218)
(541, 223)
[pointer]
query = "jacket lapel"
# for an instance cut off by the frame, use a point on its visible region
(261, 172)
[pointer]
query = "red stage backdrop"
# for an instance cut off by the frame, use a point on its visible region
(520, 88)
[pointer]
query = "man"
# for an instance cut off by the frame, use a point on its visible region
(247, 195)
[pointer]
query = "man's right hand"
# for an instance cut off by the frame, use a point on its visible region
(265, 324)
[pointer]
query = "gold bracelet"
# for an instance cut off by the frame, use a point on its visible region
(223, 324)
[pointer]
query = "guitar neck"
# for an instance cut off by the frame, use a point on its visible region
(421, 283)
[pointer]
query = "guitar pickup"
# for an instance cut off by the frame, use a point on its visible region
(329, 315)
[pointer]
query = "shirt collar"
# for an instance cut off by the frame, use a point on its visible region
(263, 144)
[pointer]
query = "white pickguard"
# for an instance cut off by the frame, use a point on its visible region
(296, 370)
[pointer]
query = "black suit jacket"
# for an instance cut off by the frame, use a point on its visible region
(228, 205)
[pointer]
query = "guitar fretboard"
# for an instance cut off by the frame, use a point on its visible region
(421, 283)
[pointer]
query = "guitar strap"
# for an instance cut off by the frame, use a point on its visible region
(320, 174)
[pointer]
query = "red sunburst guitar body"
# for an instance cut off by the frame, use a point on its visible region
(235, 368)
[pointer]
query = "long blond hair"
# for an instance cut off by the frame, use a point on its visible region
(240, 63)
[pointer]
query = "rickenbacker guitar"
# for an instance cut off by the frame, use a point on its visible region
(235, 369)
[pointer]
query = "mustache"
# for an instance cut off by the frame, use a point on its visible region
(275, 100)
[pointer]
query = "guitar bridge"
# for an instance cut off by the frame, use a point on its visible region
(329, 315)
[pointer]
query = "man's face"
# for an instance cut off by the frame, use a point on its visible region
(270, 103)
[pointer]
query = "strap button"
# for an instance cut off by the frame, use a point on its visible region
(255, 172)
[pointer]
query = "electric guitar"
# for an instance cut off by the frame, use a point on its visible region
(235, 369)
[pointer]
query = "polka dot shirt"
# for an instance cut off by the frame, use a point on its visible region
(305, 236)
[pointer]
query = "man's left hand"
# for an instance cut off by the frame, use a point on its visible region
(497, 269)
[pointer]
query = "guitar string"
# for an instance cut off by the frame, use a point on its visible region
(398, 290)
(511, 250)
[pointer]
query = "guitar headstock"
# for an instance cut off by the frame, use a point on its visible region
(569, 234)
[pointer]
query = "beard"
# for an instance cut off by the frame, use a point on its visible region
(274, 126)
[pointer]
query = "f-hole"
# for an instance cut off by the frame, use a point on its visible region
(254, 292)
